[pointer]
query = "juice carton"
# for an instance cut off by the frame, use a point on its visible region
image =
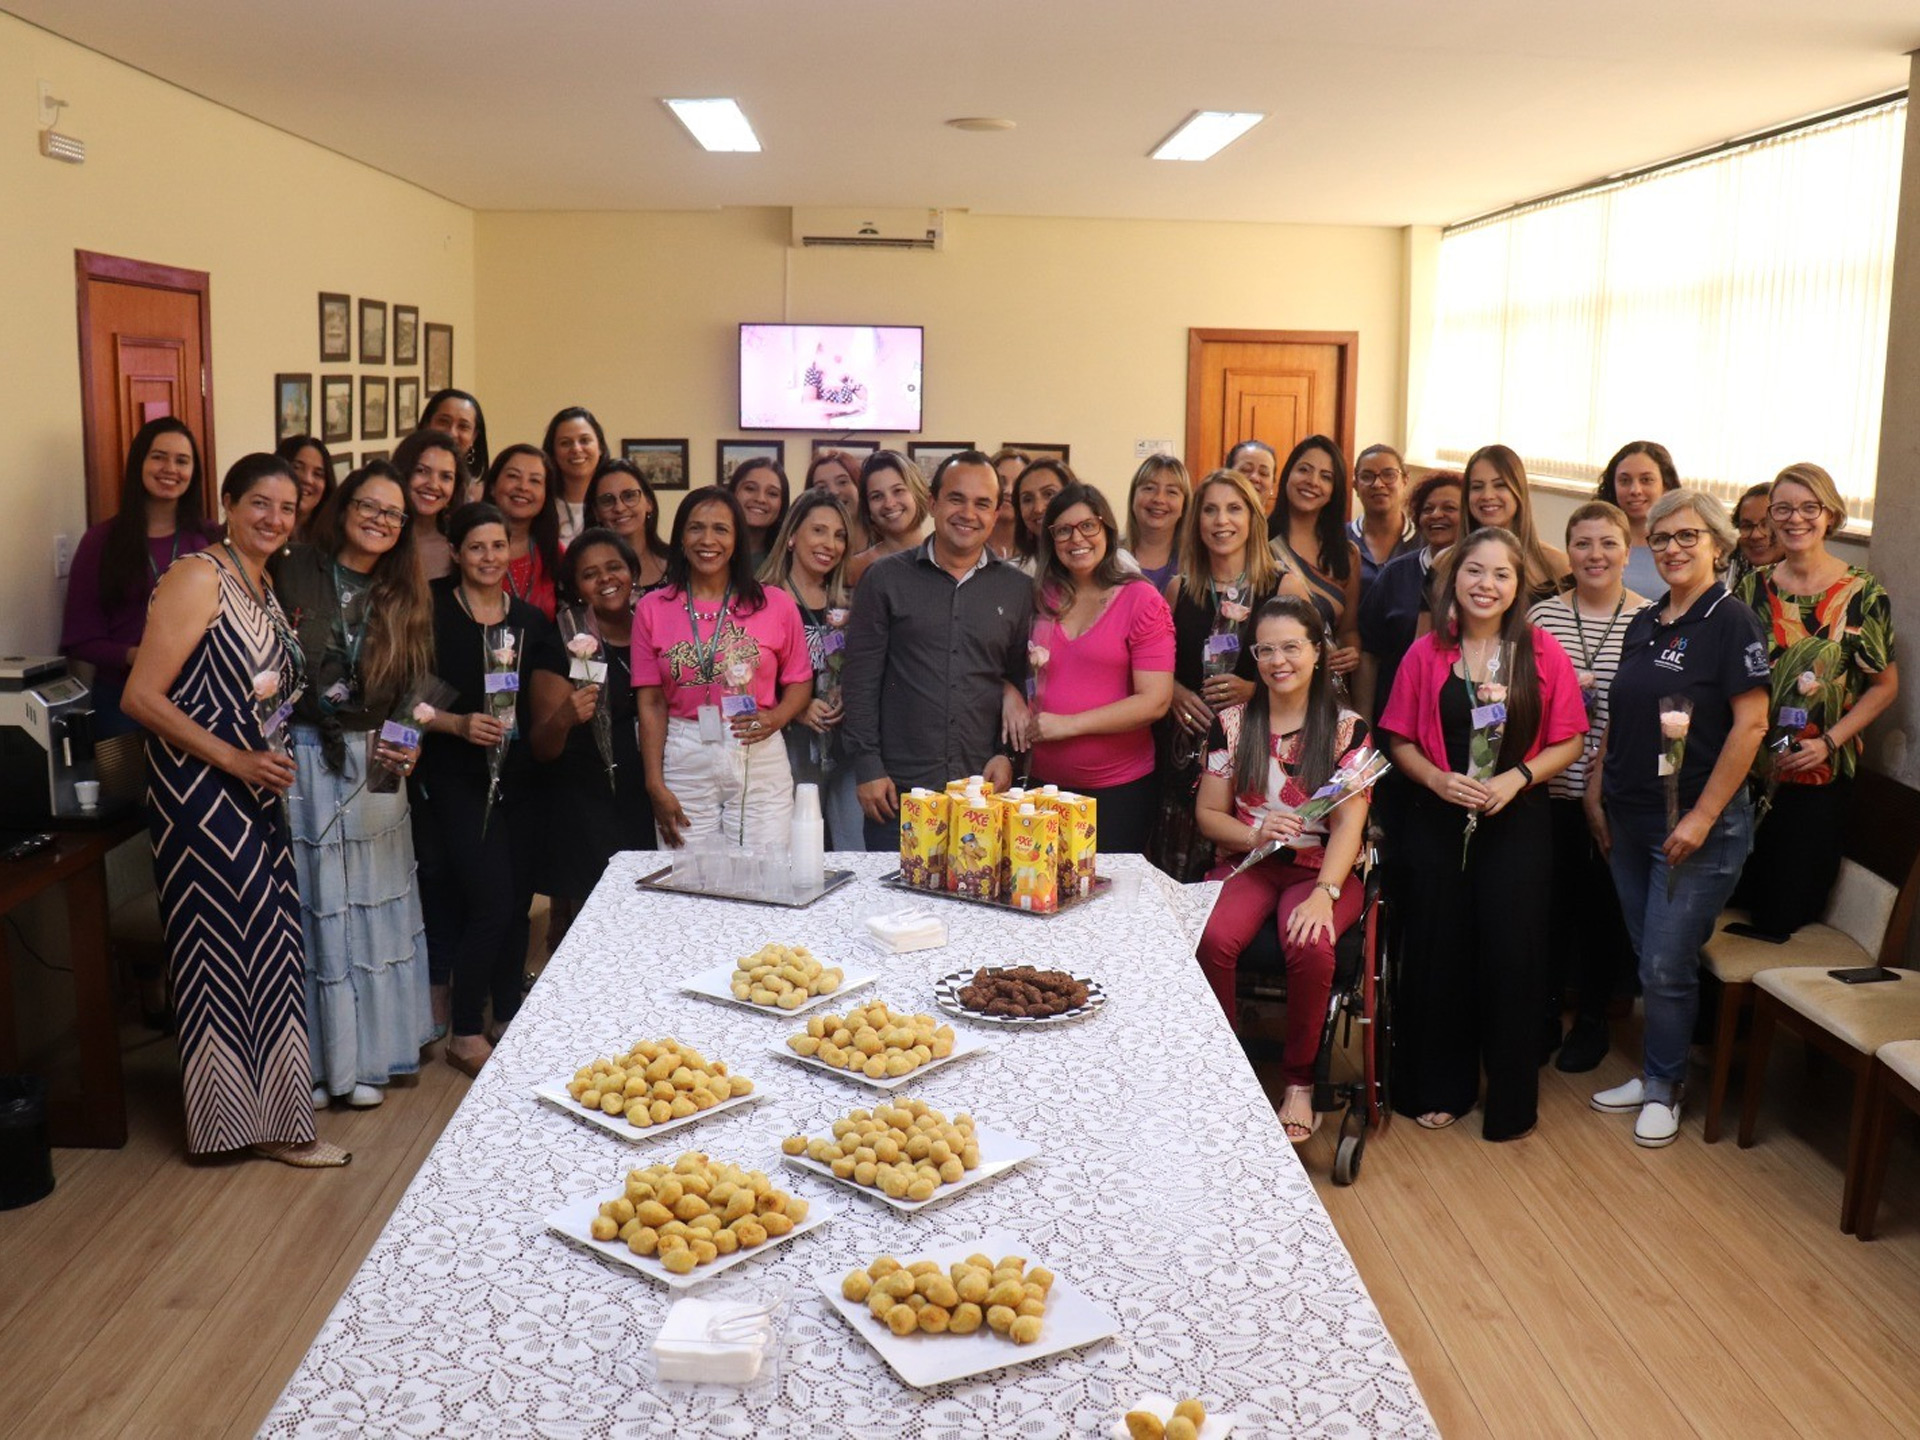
(957, 789)
(973, 862)
(1006, 806)
(925, 816)
(1078, 842)
(1033, 844)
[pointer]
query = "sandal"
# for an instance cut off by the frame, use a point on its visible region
(1298, 1131)
(314, 1155)
(1435, 1120)
(467, 1065)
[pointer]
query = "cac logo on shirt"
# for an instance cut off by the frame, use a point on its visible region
(1757, 667)
(1674, 656)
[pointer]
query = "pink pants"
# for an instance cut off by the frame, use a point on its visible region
(1270, 891)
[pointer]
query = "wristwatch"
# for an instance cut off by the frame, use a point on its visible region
(1333, 890)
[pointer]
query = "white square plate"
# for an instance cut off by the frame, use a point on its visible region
(573, 1222)
(716, 984)
(964, 1044)
(554, 1092)
(998, 1154)
(923, 1361)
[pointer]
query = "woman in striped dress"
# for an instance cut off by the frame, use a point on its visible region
(214, 682)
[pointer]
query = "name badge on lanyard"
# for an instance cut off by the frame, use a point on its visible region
(1790, 718)
(712, 732)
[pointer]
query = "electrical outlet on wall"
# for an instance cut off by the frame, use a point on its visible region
(62, 556)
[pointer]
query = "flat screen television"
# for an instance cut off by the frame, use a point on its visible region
(830, 377)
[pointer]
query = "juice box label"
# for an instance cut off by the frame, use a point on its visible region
(973, 862)
(1033, 842)
(1079, 843)
(924, 823)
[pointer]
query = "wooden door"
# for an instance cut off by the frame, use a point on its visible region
(1279, 386)
(144, 353)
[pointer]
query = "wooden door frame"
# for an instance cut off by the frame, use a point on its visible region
(91, 265)
(1347, 342)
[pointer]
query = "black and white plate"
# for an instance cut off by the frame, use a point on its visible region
(946, 993)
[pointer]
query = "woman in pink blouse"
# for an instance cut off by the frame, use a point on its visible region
(1485, 710)
(1101, 661)
(1282, 746)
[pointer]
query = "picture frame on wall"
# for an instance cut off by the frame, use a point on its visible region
(730, 454)
(406, 400)
(292, 405)
(663, 463)
(336, 408)
(859, 449)
(368, 457)
(406, 334)
(927, 454)
(1039, 451)
(342, 465)
(373, 407)
(373, 332)
(336, 328)
(439, 361)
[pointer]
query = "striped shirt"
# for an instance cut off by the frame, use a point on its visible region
(1594, 647)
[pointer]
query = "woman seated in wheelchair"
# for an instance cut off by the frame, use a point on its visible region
(1282, 746)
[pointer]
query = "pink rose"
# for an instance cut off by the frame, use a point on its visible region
(1493, 694)
(1234, 611)
(266, 685)
(1037, 656)
(1586, 679)
(423, 714)
(1674, 724)
(583, 646)
(1807, 683)
(503, 657)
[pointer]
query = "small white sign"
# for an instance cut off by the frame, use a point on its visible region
(1143, 448)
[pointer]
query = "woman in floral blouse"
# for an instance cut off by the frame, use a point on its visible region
(1829, 629)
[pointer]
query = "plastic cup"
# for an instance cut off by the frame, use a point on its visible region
(1126, 890)
(88, 794)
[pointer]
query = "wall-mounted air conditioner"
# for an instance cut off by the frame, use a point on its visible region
(869, 229)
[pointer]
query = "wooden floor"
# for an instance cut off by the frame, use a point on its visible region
(1568, 1284)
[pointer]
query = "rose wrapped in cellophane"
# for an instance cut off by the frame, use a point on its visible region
(1489, 722)
(1361, 772)
(1676, 718)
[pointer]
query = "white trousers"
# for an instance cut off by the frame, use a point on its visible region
(729, 789)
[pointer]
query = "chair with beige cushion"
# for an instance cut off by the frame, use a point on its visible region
(1893, 1082)
(1866, 921)
(1849, 1022)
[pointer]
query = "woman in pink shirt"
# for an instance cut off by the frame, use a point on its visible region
(721, 666)
(1101, 660)
(1485, 710)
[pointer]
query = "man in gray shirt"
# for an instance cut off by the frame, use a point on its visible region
(937, 636)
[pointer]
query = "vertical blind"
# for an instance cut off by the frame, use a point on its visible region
(1733, 307)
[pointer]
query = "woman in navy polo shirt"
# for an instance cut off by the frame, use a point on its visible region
(1697, 645)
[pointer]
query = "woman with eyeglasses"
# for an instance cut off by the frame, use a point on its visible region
(1383, 531)
(1397, 601)
(1101, 660)
(520, 484)
(894, 507)
(1484, 713)
(1497, 495)
(1640, 472)
(1275, 752)
(1829, 629)
(621, 500)
(1227, 572)
(1590, 621)
(575, 446)
(429, 465)
(1758, 546)
(360, 610)
(1692, 685)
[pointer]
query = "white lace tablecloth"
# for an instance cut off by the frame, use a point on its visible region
(1164, 1189)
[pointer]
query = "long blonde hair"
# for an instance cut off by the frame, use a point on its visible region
(1196, 568)
(777, 568)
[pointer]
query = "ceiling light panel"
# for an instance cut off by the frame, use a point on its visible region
(1205, 133)
(719, 125)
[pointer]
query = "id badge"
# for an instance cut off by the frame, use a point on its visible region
(1485, 717)
(277, 719)
(1791, 719)
(734, 706)
(712, 732)
(833, 642)
(405, 736)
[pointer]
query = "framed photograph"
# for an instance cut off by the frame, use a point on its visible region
(406, 334)
(439, 358)
(373, 407)
(367, 457)
(342, 465)
(373, 332)
(728, 454)
(927, 454)
(859, 449)
(292, 405)
(1040, 452)
(406, 399)
(662, 462)
(336, 408)
(336, 327)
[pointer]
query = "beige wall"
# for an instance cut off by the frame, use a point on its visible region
(1037, 329)
(175, 180)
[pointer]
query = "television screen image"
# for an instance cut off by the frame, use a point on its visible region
(830, 377)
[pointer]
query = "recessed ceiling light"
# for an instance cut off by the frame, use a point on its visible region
(1205, 133)
(716, 124)
(980, 123)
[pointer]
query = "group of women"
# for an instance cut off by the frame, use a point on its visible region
(488, 673)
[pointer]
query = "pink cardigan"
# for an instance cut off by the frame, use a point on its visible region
(1413, 709)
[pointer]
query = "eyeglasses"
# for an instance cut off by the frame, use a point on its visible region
(1751, 527)
(1377, 477)
(374, 510)
(1811, 510)
(1291, 650)
(1086, 529)
(1685, 539)
(619, 499)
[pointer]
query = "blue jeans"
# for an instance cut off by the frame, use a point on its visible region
(1668, 934)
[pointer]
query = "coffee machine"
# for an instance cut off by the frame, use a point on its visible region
(46, 742)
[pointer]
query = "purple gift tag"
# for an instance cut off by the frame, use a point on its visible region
(1485, 717)
(277, 719)
(1223, 644)
(734, 706)
(500, 682)
(834, 642)
(1791, 719)
(394, 733)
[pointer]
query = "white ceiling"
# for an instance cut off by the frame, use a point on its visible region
(1382, 111)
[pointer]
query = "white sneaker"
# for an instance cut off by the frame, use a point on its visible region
(1621, 1099)
(365, 1097)
(1658, 1124)
(321, 1098)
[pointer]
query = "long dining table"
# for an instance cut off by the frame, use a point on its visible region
(1164, 1189)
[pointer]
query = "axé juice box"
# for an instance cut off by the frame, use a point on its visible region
(978, 840)
(1033, 845)
(925, 818)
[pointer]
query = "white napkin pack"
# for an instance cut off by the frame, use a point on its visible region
(900, 931)
(713, 1341)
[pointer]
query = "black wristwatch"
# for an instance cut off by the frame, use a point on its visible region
(1522, 768)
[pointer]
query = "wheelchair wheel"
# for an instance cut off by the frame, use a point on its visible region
(1346, 1159)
